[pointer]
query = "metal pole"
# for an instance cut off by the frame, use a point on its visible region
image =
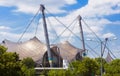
(59, 56)
(101, 70)
(81, 33)
(42, 8)
(102, 52)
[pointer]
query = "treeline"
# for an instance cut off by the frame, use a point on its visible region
(10, 65)
(89, 67)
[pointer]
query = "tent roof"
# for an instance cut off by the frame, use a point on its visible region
(108, 58)
(35, 49)
(68, 51)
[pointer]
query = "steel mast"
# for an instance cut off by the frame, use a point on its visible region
(81, 34)
(42, 8)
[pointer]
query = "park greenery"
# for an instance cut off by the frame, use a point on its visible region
(11, 65)
(89, 67)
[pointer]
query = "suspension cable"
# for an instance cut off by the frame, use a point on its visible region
(110, 50)
(28, 26)
(97, 37)
(70, 30)
(92, 30)
(66, 27)
(91, 49)
(92, 54)
(52, 26)
(37, 24)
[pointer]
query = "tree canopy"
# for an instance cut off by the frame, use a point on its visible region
(10, 65)
(89, 67)
(86, 67)
(113, 68)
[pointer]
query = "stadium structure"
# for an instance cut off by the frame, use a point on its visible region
(37, 50)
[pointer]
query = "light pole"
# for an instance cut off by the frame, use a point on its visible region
(102, 51)
(101, 70)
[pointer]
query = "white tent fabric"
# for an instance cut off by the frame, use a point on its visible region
(108, 58)
(68, 51)
(35, 49)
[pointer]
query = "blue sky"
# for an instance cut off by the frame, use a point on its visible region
(102, 16)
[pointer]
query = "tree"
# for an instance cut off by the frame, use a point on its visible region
(28, 62)
(113, 68)
(2, 50)
(86, 67)
(57, 73)
(79, 68)
(91, 66)
(10, 65)
(98, 60)
(28, 66)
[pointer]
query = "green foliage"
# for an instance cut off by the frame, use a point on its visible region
(44, 73)
(91, 66)
(11, 66)
(98, 60)
(27, 71)
(57, 73)
(113, 68)
(8, 57)
(28, 62)
(86, 67)
(2, 50)
(28, 67)
(78, 68)
(107, 74)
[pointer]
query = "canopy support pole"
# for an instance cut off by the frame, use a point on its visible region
(42, 8)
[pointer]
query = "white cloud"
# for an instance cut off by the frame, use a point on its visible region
(92, 9)
(71, 1)
(5, 28)
(108, 35)
(15, 37)
(9, 36)
(116, 23)
(93, 13)
(98, 8)
(31, 6)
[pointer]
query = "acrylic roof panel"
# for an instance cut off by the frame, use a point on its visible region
(10, 44)
(32, 48)
(68, 51)
(35, 49)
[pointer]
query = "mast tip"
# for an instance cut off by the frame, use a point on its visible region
(79, 17)
(42, 7)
